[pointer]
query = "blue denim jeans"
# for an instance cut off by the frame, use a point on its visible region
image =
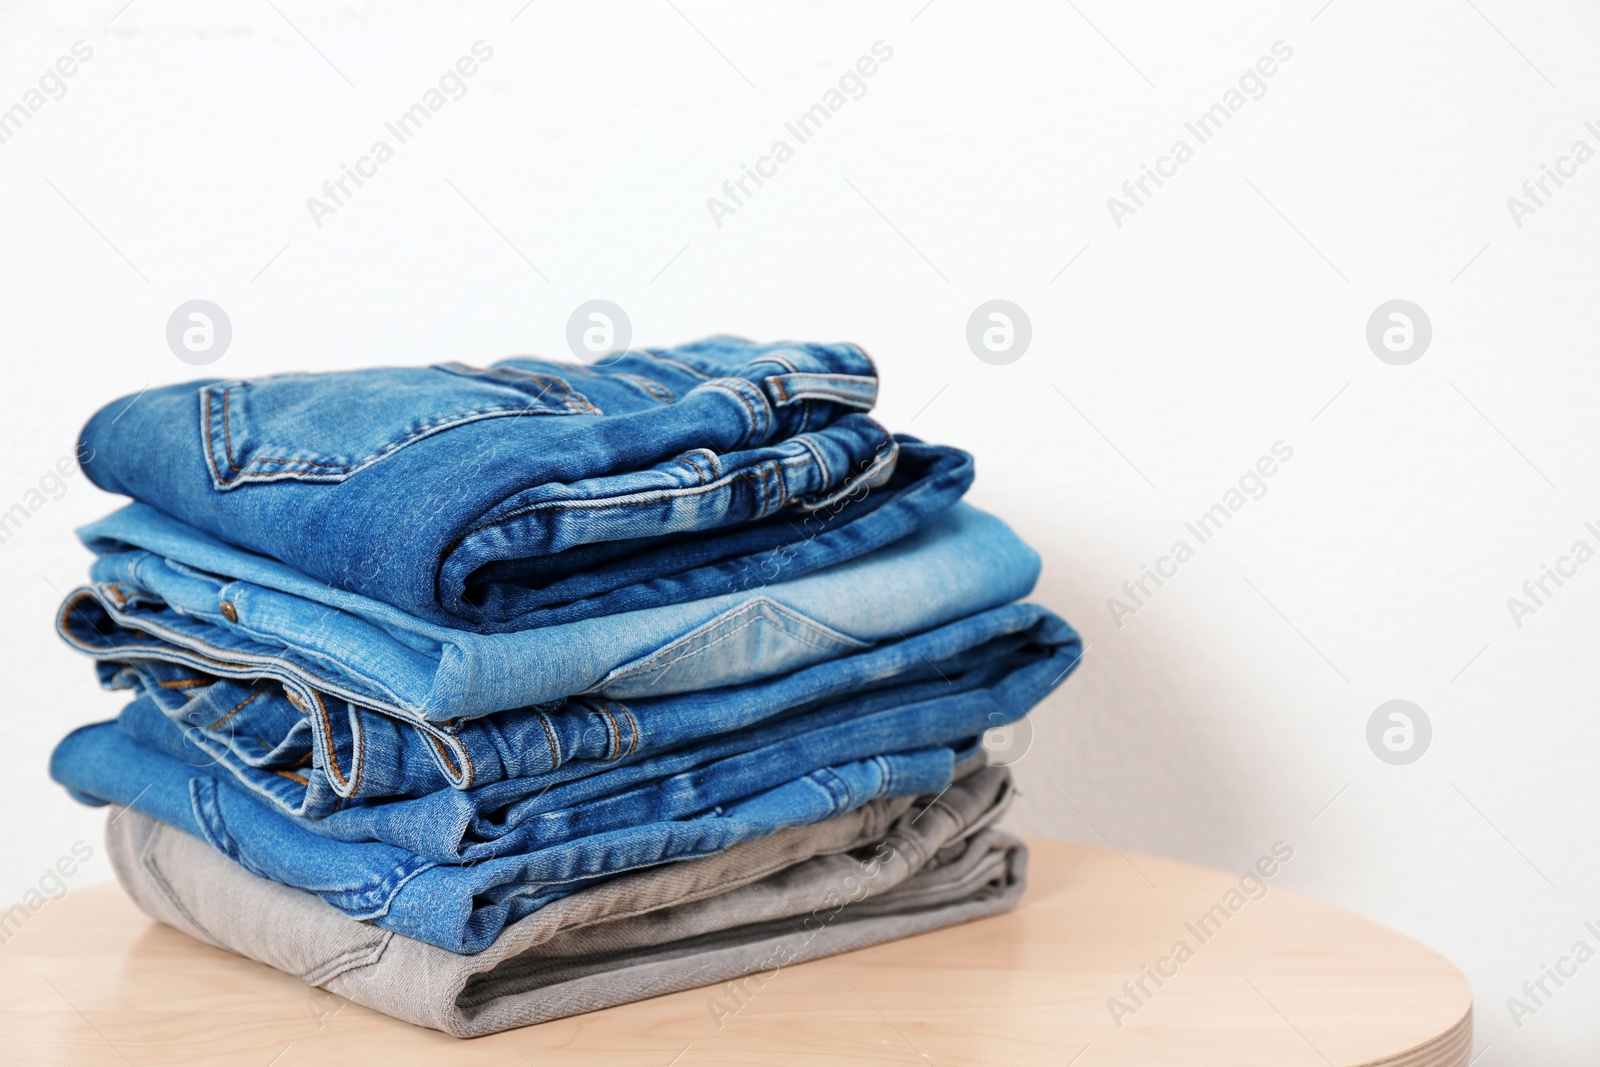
(455, 493)
(186, 598)
(457, 907)
(648, 759)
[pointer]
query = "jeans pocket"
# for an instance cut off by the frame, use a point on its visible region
(326, 427)
(361, 879)
(276, 932)
(757, 639)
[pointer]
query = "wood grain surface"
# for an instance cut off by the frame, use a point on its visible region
(1281, 981)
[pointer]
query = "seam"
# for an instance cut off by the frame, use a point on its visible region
(394, 444)
(187, 649)
(333, 752)
(236, 709)
(551, 381)
(888, 777)
(809, 444)
(756, 615)
(749, 408)
(781, 360)
(433, 734)
(702, 375)
(875, 473)
(613, 733)
(545, 379)
(148, 860)
(227, 432)
(695, 470)
(363, 955)
(654, 389)
(471, 773)
(574, 403)
(775, 483)
(550, 738)
(633, 729)
(206, 432)
(644, 498)
(632, 500)
(439, 745)
(729, 880)
(814, 782)
(832, 396)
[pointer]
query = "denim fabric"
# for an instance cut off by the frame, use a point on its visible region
(194, 600)
(606, 578)
(343, 755)
(403, 484)
(882, 871)
(460, 908)
(528, 814)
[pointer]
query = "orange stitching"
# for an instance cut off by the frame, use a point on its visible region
(616, 733)
(70, 604)
(445, 755)
(633, 729)
(550, 381)
(333, 753)
(550, 739)
(236, 709)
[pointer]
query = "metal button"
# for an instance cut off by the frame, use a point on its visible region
(229, 613)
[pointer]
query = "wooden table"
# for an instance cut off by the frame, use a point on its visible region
(1285, 982)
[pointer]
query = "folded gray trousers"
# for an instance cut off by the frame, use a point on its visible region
(890, 869)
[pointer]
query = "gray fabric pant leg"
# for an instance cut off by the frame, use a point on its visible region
(890, 869)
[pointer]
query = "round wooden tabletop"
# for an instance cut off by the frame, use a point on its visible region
(1087, 971)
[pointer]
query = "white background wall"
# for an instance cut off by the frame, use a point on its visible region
(1168, 353)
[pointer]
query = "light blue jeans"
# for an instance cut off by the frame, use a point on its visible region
(341, 756)
(182, 597)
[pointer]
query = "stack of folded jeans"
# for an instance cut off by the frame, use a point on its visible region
(487, 696)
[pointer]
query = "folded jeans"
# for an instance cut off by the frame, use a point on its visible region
(458, 907)
(420, 486)
(886, 870)
(342, 762)
(186, 598)
(525, 815)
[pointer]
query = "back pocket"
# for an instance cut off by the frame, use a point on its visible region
(326, 427)
(757, 639)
